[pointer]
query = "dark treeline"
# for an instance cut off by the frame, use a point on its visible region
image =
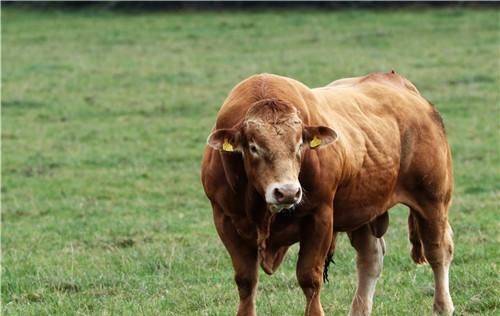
(219, 5)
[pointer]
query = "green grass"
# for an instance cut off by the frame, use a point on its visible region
(105, 116)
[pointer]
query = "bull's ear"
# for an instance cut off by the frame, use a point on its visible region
(317, 136)
(225, 140)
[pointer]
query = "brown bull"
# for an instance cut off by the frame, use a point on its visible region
(286, 163)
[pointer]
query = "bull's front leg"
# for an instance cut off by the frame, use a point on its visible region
(315, 239)
(244, 259)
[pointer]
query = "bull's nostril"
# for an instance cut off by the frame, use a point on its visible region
(297, 195)
(278, 194)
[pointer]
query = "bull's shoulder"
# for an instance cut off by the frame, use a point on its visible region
(213, 174)
(209, 173)
(223, 178)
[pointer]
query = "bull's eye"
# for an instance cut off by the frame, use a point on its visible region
(253, 149)
(298, 150)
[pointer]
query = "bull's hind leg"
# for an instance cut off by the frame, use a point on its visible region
(370, 256)
(436, 237)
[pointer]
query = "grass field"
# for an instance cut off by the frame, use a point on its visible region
(104, 118)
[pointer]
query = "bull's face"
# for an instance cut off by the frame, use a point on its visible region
(272, 140)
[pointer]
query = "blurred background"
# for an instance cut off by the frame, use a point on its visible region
(231, 5)
(105, 111)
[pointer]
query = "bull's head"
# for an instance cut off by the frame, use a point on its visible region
(272, 140)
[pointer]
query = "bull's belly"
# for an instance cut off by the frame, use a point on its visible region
(353, 208)
(349, 219)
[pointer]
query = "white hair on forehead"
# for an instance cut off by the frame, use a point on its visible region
(272, 115)
(254, 121)
(278, 126)
(288, 119)
(272, 110)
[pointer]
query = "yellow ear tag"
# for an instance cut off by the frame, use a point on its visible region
(315, 142)
(227, 146)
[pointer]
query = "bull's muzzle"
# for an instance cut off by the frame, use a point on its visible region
(281, 196)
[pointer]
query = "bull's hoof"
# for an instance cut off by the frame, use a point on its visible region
(443, 308)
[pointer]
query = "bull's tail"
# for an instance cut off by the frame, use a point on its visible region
(417, 251)
(329, 258)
